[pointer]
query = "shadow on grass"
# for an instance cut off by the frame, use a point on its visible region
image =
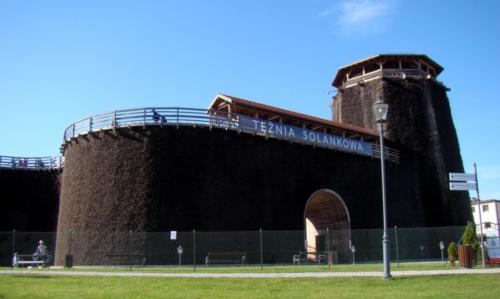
(30, 276)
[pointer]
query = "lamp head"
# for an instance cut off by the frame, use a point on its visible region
(380, 110)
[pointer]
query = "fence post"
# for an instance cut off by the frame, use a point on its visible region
(128, 248)
(70, 240)
(13, 241)
(397, 245)
(194, 250)
(261, 254)
(328, 248)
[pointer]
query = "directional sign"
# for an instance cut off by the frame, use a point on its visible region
(463, 177)
(462, 186)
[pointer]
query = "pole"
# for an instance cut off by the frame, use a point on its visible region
(442, 256)
(328, 248)
(353, 256)
(261, 253)
(385, 239)
(128, 248)
(194, 250)
(69, 241)
(397, 245)
(480, 220)
(13, 241)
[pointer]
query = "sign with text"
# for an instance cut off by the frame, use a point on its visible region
(458, 186)
(282, 131)
(462, 177)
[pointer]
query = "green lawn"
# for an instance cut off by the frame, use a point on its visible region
(274, 269)
(449, 286)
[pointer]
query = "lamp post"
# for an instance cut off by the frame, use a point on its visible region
(441, 246)
(180, 250)
(380, 112)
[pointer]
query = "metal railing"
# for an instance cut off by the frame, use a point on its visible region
(32, 162)
(175, 116)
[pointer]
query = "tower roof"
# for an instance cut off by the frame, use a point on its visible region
(383, 58)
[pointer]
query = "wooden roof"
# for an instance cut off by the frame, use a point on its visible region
(230, 104)
(337, 81)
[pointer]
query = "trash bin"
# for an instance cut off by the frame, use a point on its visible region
(465, 255)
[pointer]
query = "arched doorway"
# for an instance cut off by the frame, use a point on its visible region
(325, 211)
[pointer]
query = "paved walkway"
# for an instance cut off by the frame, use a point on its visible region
(251, 275)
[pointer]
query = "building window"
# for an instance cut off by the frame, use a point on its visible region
(473, 209)
(485, 208)
(487, 225)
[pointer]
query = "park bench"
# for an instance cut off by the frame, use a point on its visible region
(304, 258)
(125, 260)
(32, 260)
(226, 258)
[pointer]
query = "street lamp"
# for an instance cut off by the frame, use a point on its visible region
(180, 250)
(353, 249)
(441, 246)
(380, 112)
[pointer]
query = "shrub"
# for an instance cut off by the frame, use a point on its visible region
(470, 238)
(452, 253)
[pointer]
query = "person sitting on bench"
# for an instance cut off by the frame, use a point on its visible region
(41, 252)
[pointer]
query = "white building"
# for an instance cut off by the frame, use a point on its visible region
(490, 216)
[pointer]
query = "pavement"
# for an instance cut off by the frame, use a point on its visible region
(248, 275)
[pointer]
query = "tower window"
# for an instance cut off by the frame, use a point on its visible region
(485, 208)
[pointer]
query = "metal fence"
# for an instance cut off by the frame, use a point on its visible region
(229, 248)
(32, 162)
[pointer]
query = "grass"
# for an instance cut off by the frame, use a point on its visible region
(272, 268)
(456, 286)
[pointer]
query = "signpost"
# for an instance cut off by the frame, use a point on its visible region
(465, 182)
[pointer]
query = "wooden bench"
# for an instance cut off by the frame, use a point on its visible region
(125, 260)
(226, 258)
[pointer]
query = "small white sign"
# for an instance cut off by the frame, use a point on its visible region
(456, 186)
(462, 177)
(173, 235)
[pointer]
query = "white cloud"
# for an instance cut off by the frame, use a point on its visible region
(360, 15)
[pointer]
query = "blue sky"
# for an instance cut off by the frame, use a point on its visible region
(63, 60)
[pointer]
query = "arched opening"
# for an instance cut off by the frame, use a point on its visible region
(327, 225)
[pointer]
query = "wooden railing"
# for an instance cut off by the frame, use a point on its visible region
(388, 73)
(154, 116)
(32, 162)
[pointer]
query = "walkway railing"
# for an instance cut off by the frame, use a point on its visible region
(155, 116)
(32, 162)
